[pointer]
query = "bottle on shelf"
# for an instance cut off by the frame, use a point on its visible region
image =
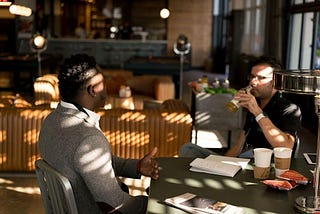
(233, 105)
(216, 83)
(16, 100)
(204, 82)
(124, 91)
(128, 91)
(225, 84)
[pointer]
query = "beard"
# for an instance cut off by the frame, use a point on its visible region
(261, 94)
(254, 92)
(262, 91)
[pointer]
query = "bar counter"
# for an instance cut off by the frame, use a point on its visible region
(108, 52)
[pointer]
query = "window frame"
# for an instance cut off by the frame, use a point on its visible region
(293, 10)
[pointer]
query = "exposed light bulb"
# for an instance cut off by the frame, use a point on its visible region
(113, 29)
(20, 10)
(39, 41)
(164, 13)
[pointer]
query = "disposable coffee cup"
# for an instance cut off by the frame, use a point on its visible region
(262, 157)
(262, 161)
(282, 159)
(261, 172)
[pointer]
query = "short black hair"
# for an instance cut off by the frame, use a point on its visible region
(269, 60)
(74, 74)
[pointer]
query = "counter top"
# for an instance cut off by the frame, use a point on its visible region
(107, 52)
(131, 41)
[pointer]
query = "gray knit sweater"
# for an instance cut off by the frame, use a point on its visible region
(70, 142)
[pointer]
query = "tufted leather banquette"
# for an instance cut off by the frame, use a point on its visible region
(132, 133)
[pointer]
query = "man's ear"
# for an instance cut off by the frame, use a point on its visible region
(90, 90)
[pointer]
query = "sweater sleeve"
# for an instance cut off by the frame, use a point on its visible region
(93, 161)
(126, 167)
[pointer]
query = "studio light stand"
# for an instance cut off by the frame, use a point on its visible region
(181, 47)
(38, 44)
(304, 82)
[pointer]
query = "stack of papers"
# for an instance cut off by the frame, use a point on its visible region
(219, 165)
(192, 203)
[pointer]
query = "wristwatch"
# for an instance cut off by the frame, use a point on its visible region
(260, 116)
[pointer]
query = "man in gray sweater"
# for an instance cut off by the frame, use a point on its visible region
(71, 141)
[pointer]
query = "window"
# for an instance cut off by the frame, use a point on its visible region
(254, 20)
(303, 51)
(303, 45)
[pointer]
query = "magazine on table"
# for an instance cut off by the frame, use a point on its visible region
(219, 165)
(192, 203)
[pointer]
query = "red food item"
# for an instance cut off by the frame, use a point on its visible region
(293, 175)
(280, 184)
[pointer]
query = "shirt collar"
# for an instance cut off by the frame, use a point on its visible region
(93, 115)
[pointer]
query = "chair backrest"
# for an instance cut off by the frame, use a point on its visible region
(56, 190)
(296, 148)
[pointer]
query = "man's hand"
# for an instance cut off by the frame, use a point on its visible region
(248, 101)
(149, 166)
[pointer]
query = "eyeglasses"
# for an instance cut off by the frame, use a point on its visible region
(258, 77)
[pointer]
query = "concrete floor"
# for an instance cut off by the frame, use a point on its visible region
(19, 193)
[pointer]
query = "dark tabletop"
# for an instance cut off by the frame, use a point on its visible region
(241, 190)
